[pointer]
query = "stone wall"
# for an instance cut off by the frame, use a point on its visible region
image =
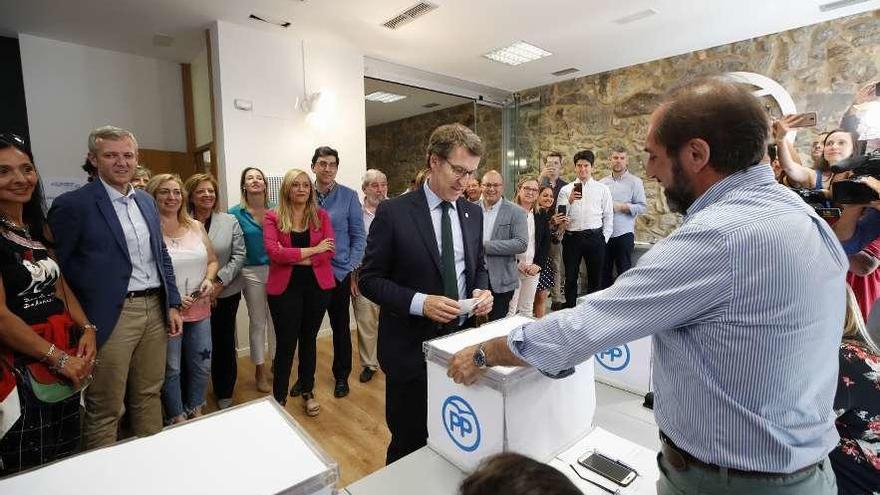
(398, 148)
(821, 66)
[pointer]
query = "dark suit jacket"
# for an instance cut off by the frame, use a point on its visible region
(402, 259)
(542, 238)
(91, 249)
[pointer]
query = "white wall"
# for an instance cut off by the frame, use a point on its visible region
(71, 89)
(266, 69)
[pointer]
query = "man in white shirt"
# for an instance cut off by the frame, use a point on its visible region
(591, 213)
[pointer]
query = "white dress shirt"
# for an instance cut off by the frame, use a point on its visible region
(416, 306)
(144, 273)
(594, 210)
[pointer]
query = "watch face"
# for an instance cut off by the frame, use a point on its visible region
(480, 358)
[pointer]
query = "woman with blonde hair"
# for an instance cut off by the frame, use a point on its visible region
(195, 268)
(856, 459)
(226, 237)
(530, 262)
(298, 238)
(250, 214)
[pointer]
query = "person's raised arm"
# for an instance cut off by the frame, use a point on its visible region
(798, 175)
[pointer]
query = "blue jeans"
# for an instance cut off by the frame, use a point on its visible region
(184, 391)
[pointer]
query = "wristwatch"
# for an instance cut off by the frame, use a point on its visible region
(480, 360)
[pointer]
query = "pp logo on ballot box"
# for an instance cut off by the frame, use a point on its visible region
(614, 359)
(461, 423)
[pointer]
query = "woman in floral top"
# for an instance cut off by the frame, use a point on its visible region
(856, 460)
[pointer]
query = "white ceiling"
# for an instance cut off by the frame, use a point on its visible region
(413, 104)
(448, 41)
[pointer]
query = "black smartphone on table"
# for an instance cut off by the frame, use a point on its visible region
(608, 468)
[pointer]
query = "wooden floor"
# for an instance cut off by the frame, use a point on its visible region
(351, 430)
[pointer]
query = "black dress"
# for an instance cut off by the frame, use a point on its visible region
(856, 459)
(45, 431)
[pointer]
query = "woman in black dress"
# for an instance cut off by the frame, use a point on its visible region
(856, 460)
(47, 346)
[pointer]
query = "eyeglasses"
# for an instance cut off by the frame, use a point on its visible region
(326, 165)
(13, 139)
(458, 171)
(530, 189)
(489, 185)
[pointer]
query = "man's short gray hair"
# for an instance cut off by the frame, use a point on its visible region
(110, 132)
(372, 175)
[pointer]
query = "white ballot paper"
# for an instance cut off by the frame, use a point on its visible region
(466, 306)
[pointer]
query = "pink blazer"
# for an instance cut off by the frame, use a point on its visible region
(282, 256)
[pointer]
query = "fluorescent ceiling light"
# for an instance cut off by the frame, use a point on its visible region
(517, 53)
(383, 97)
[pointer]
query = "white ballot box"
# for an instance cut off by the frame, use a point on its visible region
(627, 366)
(508, 409)
(642, 459)
(255, 448)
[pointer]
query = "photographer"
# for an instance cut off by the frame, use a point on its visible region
(859, 225)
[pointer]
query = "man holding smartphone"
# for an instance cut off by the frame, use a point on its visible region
(591, 214)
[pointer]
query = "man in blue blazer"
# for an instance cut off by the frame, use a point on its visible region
(424, 254)
(108, 240)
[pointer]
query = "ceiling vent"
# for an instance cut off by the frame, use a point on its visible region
(409, 15)
(278, 22)
(565, 72)
(431, 105)
(163, 40)
(839, 4)
(638, 16)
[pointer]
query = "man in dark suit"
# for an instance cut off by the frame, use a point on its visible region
(108, 240)
(424, 254)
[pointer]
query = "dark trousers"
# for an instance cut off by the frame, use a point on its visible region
(340, 322)
(618, 255)
(406, 412)
(297, 315)
(587, 245)
(500, 304)
(224, 358)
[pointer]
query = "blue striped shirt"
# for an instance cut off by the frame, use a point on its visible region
(745, 302)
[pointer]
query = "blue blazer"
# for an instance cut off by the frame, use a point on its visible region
(91, 249)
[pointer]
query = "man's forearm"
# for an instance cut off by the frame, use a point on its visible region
(499, 354)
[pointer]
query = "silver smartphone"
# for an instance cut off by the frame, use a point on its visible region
(611, 469)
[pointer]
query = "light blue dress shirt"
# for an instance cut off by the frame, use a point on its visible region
(630, 190)
(417, 305)
(144, 273)
(489, 216)
(745, 302)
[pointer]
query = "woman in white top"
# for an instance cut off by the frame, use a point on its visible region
(529, 263)
(195, 267)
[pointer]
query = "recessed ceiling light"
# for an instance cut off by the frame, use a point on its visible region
(383, 97)
(642, 14)
(839, 4)
(517, 53)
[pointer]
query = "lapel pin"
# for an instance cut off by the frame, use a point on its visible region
(466, 215)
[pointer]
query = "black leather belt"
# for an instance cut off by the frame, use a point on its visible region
(680, 460)
(585, 231)
(143, 293)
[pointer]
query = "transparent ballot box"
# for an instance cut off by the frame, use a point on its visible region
(255, 449)
(508, 409)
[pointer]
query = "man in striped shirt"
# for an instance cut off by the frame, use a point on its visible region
(745, 302)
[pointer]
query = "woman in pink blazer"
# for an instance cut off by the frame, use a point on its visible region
(299, 241)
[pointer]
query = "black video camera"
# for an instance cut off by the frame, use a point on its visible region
(853, 190)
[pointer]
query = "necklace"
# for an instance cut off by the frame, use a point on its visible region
(16, 229)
